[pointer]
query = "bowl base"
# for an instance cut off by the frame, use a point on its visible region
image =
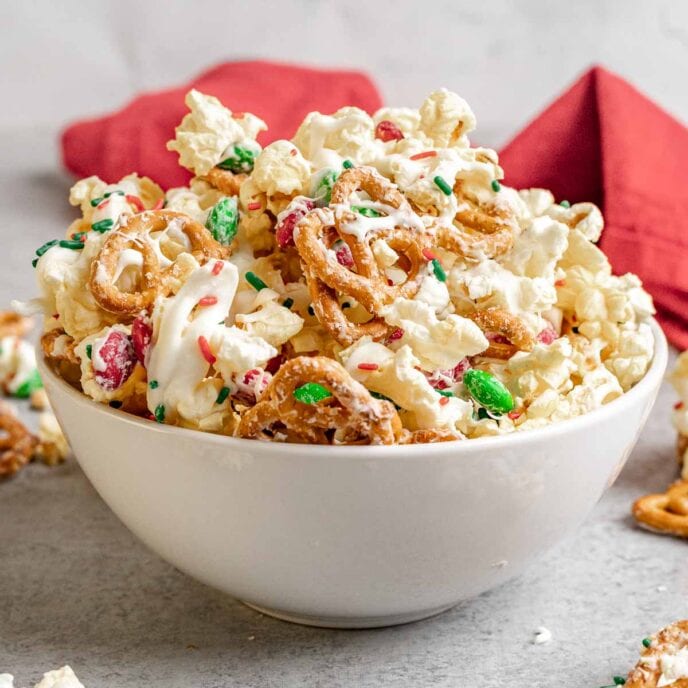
(350, 621)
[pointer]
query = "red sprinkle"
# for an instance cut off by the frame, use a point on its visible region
(548, 335)
(207, 301)
(388, 131)
(396, 334)
(368, 366)
(284, 232)
(254, 206)
(217, 268)
(425, 154)
(56, 316)
(514, 414)
(390, 282)
(238, 115)
(428, 254)
(444, 401)
(136, 202)
(678, 405)
(104, 204)
(159, 204)
(205, 350)
(292, 151)
(560, 283)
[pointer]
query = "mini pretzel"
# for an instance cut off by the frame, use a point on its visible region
(665, 513)
(508, 325)
(351, 415)
(366, 282)
(430, 436)
(13, 324)
(667, 642)
(155, 280)
(59, 350)
(17, 444)
(225, 181)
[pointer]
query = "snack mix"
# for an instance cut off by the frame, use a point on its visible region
(664, 660)
(369, 281)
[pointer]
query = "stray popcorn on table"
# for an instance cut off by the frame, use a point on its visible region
(370, 281)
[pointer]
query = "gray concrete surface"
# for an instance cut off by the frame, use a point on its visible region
(77, 588)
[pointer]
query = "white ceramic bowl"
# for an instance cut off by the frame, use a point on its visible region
(352, 536)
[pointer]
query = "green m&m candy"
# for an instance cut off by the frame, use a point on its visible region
(323, 187)
(488, 391)
(241, 159)
(223, 220)
(30, 385)
(311, 393)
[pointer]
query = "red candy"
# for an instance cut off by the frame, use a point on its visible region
(273, 365)
(117, 352)
(547, 336)
(284, 232)
(388, 131)
(343, 253)
(141, 334)
(395, 334)
(136, 202)
(252, 386)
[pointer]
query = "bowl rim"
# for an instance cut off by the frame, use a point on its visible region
(652, 378)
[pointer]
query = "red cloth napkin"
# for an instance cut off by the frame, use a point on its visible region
(604, 141)
(134, 138)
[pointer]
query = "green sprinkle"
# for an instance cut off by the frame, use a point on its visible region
(116, 192)
(160, 413)
(445, 392)
(311, 393)
(89, 350)
(223, 220)
(96, 201)
(347, 164)
(224, 393)
(496, 186)
(70, 243)
(241, 160)
(483, 414)
(647, 642)
(288, 303)
(255, 281)
(153, 384)
(31, 384)
(103, 226)
(566, 204)
(619, 680)
(488, 391)
(438, 270)
(366, 212)
(323, 191)
(34, 262)
(442, 185)
(46, 246)
(310, 310)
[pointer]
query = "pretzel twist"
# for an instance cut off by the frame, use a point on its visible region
(13, 324)
(667, 642)
(225, 181)
(155, 280)
(666, 512)
(17, 444)
(366, 281)
(501, 322)
(350, 415)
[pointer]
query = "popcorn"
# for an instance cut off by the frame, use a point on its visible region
(435, 343)
(497, 289)
(205, 134)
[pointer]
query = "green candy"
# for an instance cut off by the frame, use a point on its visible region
(223, 220)
(241, 160)
(311, 393)
(46, 247)
(323, 190)
(366, 212)
(31, 384)
(488, 391)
